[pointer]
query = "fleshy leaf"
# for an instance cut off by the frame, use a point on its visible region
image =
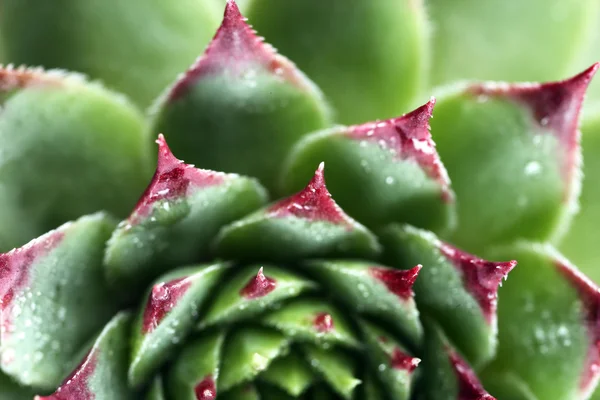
(548, 326)
(168, 316)
(53, 300)
(313, 321)
(369, 57)
(336, 367)
(252, 291)
(69, 148)
(195, 373)
(373, 290)
(238, 103)
(105, 40)
(291, 373)
(580, 244)
(523, 141)
(446, 376)
(308, 224)
(157, 390)
(544, 39)
(244, 392)
(380, 172)
(175, 220)
(102, 374)
(248, 352)
(394, 365)
(457, 289)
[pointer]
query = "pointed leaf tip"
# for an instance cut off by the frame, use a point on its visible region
(398, 281)
(314, 202)
(236, 49)
(555, 107)
(163, 297)
(469, 386)
(481, 277)
(409, 137)
(171, 180)
(206, 389)
(403, 361)
(258, 286)
(590, 297)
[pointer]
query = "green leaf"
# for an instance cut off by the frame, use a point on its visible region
(544, 39)
(369, 57)
(157, 391)
(445, 375)
(394, 365)
(373, 290)
(393, 162)
(54, 300)
(80, 148)
(136, 46)
(102, 374)
(290, 373)
(197, 367)
(175, 221)
(10, 390)
(547, 325)
(523, 142)
(244, 392)
(580, 244)
(308, 224)
(241, 106)
(248, 352)
(314, 321)
(167, 316)
(252, 291)
(457, 289)
(336, 367)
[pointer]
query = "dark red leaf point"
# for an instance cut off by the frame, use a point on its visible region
(206, 389)
(398, 281)
(590, 297)
(15, 270)
(76, 386)
(314, 203)
(323, 322)
(236, 50)
(408, 137)
(163, 297)
(258, 286)
(556, 107)
(173, 179)
(403, 361)
(480, 277)
(469, 386)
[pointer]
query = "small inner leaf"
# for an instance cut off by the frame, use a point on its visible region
(336, 367)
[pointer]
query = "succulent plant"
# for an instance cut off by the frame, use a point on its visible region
(289, 256)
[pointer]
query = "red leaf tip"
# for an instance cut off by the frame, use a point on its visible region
(408, 137)
(403, 361)
(398, 281)
(172, 179)
(313, 203)
(469, 386)
(163, 297)
(480, 277)
(555, 107)
(238, 51)
(258, 286)
(590, 297)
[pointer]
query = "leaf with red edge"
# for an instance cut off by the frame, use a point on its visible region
(445, 374)
(513, 153)
(240, 102)
(457, 289)
(175, 221)
(548, 326)
(307, 224)
(102, 374)
(380, 172)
